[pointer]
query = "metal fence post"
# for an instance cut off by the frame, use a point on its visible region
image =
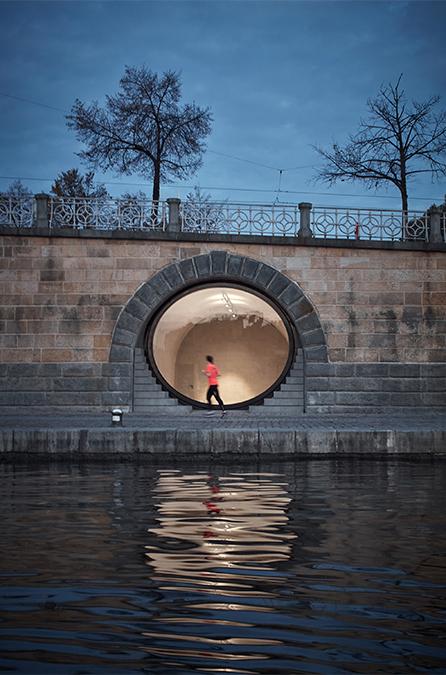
(42, 210)
(305, 219)
(435, 225)
(173, 221)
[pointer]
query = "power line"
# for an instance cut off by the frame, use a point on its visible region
(240, 159)
(214, 152)
(265, 166)
(27, 100)
(236, 189)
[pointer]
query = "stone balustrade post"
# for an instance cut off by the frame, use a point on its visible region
(305, 219)
(42, 210)
(435, 235)
(173, 221)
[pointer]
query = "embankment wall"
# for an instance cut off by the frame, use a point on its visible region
(382, 312)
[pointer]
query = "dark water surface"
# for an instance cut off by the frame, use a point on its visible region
(308, 567)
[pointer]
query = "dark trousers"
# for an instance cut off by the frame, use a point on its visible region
(213, 391)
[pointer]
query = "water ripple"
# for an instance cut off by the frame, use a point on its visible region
(316, 567)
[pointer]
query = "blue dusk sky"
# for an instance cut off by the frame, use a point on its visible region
(278, 77)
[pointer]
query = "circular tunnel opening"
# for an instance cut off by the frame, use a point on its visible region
(249, 337)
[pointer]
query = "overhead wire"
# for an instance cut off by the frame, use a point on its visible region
(27, 100)
(226, 188)
(280, 171)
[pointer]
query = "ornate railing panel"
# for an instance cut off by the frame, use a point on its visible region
(277, 220)
(107, 214)
(370, 224)
(16, 211)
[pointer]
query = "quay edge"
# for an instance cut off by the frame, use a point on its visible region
(217, 443)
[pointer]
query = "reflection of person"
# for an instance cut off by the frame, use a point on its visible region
(212, 504)
(212, 373)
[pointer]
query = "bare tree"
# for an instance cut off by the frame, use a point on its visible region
(396, 143)
(143, 128)
(16, 205)
(201, 212)
(72, 183)
(17, 189)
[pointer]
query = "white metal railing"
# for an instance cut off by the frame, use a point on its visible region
(369, 224)
(277, 220)
(17, 211)
(252, 219)
(107, 214)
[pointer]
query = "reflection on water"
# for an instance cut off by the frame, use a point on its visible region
(218, 544)
(315, 567)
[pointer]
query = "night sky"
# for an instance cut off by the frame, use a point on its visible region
(278, 77)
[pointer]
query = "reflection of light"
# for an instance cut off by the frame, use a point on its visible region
(243, 531)
(221, 641)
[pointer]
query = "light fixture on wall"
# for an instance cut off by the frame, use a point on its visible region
(229, 305)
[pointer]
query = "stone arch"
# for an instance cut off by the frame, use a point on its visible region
(210, 267)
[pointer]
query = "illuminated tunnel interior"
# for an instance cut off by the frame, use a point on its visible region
(244, 333)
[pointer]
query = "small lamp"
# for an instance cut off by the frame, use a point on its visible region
(116, 419)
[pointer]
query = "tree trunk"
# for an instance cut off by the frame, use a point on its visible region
(404, 202)
(404, 199)
(156, 192)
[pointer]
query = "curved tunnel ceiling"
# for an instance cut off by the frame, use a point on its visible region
(243, 332)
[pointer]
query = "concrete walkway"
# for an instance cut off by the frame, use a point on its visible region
(240, 420)
(85, 435)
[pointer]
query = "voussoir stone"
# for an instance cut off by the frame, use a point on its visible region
(250, 268)
(203, 265)
(265, 275)
(173, 276)
(218, 261)
(187, 269)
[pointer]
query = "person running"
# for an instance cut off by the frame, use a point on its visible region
(212, 372)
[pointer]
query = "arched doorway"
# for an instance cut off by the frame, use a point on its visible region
(227, 270)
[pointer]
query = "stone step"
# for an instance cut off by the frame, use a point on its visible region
(150, 393)
(156, 402)
(156, 410)
(152, 388)
(286, 402)
(278, 411)
(291, 395)
(143, 372)
(149, 396)
(155, 393)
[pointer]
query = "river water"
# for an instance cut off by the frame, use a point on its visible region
(308, 567)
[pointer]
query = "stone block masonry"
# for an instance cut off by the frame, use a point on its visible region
(240, 436)
(382, 311)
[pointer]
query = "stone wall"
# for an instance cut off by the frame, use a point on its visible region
(382, 311)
